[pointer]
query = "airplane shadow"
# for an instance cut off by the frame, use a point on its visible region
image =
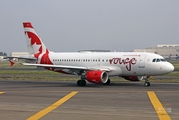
(69, 84)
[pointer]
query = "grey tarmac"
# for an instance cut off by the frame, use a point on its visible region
(120, 100)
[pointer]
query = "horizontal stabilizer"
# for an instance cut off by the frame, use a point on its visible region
(11, 63)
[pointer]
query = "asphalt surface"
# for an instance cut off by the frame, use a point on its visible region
(20, 100)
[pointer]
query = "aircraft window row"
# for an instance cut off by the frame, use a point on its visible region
(158, 60)
(80, 60)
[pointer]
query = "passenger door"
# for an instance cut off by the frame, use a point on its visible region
(142, 61)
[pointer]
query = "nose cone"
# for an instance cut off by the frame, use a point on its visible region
(169, 67)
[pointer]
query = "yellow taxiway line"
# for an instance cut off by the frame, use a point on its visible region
(52, 107)
(159, 109)
(1, 93)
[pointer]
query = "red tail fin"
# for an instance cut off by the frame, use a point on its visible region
(34, 43)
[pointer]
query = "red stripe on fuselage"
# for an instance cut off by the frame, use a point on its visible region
(45, 58)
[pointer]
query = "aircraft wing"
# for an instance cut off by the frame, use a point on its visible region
(68, 67)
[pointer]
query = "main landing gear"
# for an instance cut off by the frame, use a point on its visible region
(81, 82)
(147, 83)
(108, 82)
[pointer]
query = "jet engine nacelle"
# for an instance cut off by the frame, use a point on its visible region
(133, 78)
(96, 76)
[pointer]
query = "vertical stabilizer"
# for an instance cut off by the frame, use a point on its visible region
(34, 43)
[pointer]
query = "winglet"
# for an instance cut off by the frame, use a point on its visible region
(11, 63)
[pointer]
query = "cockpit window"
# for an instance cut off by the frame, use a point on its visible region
(163, 60)
(158, 60)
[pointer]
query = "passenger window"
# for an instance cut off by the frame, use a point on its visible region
(153, 60)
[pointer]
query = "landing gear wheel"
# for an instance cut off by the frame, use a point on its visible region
(147, 84)
(108, 82)
(81, 82)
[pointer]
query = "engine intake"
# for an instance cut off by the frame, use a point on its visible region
(96, 76)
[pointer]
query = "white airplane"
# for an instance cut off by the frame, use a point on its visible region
(96, 67)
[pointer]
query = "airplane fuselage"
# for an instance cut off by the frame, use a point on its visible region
(119, 63)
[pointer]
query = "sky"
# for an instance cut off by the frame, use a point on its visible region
(73, 25)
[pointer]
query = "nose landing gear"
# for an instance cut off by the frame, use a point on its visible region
(147, 83)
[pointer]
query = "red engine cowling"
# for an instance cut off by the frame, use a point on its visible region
(133, 78)
(96, 76)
